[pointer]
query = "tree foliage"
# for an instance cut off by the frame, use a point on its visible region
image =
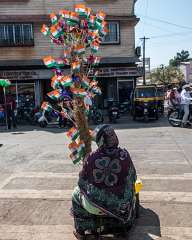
(182, 56)
(167, 75)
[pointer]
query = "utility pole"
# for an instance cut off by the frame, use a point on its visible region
(144, 40)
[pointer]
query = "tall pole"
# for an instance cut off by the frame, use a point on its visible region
(144, 74)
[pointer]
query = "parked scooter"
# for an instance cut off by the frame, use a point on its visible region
(96, 115)
(53, 118)
(124, 107)
(113, 111)
(175, 116)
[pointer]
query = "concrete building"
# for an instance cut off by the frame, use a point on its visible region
(23, 46)
(186, 68)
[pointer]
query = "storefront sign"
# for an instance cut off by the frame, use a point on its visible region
(118, 72)
(26, 75)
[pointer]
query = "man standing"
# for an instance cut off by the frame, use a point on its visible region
(10, 108)
(185, 101)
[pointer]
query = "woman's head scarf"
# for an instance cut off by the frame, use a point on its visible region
(105, 136)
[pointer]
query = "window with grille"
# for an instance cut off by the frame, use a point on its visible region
(16, 34)
(113, 36)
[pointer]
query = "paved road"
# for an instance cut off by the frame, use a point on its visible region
(37, 178)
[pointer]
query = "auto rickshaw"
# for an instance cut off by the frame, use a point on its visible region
(144, 102)
(160, 99)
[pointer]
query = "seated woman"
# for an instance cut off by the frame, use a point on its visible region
(106, 185)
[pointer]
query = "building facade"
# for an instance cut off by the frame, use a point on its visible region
(23, 46)
(186, 68)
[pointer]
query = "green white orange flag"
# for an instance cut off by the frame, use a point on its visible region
(46, 107)
(45, 30)
(101, 16)
(80, 9)
(94, 47)
(75, 66)
(66, 81)
(65, 14)
(73, 134)
(53, 18)
(85, 82)
(49, 61)
(55, 94)
(79, 49)
(55, 81)
(79, 92)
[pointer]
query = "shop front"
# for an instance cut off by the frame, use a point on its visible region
(116, 83)
(26, 86)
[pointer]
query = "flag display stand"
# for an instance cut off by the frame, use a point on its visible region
(79, 32)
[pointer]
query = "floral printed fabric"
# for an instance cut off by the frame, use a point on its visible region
(105, 171)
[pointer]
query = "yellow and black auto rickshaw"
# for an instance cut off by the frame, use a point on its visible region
(144, 102)
(160, 99)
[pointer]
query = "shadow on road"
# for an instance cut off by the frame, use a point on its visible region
(147, 227)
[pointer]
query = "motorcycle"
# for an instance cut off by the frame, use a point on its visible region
(175, 116)
(96, 116)
(53, 118)
(124, 107)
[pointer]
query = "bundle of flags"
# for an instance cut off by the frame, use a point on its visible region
(73, 134)
(77, 151)
(79, 32)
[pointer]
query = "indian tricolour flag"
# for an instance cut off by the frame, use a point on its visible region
(101, 16)
(80, 9)
(76, 66)
(64, 14)
(79, 49)
(88, 12)
(49, 61)
(104, 31)
(94, 47)
(78, 154)
(66, 81)
(46, 106)
(85, 82)
(73, 134)
(73, 18)
(55, 81)
(45, 30)
(55, 31)
(93, 35)
(53, 18)
(55, 95)
(91, 20)
(79, 92)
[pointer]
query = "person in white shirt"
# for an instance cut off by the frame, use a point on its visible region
(185, 101)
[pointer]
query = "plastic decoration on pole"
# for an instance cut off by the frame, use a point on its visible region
(4, 83)
(79, 32)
